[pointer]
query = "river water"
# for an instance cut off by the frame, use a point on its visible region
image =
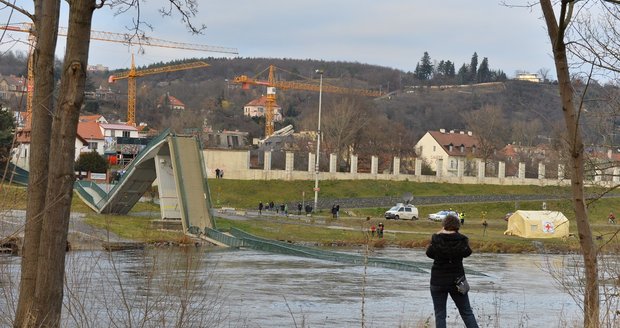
(200, 287)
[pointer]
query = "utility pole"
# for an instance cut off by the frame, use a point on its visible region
(318, 143)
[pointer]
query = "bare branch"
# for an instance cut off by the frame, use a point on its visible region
(18, 8)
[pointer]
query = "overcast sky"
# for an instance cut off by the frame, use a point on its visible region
(392, 33)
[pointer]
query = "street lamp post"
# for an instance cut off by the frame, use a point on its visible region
(318, 143)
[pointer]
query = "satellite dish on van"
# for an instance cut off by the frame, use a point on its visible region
(407, 197)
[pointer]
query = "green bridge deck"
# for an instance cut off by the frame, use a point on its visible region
(239, 238)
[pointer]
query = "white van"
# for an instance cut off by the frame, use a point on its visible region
(402, 211)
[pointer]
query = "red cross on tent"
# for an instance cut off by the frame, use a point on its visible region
(548, 227)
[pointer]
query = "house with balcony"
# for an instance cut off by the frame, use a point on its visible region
(449, 151)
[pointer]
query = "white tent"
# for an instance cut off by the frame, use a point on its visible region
(537, 224)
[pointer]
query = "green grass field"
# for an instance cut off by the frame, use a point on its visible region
(353, 226)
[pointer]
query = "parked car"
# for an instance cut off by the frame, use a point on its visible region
(439, 216)
(402, 211)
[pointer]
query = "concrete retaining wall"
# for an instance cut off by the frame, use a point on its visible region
(236, 165)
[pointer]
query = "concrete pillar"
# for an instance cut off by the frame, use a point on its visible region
(541, 170)
(396, 166)
(439, 165)
(311, 162)
(418, 167)
(561, 172)
(521, 170)
(267, 164)
(289, 164)
(481, 169)
(374, 164)
(353, 164)
(248, 160)
(332, 163)
(616, 173)
(460, 169)
(501, 170)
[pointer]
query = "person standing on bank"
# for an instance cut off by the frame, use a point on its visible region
(448, 248)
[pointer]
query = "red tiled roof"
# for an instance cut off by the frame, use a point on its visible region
(456, 139)
(174, 102)
(89, 130)
(90, 118)
(509, 150)
(261, 102)
(14, 80)
(171, 101)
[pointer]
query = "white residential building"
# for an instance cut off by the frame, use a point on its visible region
(257, 108)
(448, 149)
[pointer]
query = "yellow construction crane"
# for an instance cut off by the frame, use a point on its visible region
(132, 74)
(272, 84)
(109, 37)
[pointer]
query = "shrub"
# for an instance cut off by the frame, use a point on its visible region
(91, 162)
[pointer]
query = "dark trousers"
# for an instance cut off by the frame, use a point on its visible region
(440, 298)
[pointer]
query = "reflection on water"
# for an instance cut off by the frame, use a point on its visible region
(247, 288)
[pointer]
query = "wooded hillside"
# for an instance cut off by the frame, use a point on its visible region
(528, 111)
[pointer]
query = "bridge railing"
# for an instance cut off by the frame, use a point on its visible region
(132, 164)
(79, 187)
(229, 240)
(356, 259)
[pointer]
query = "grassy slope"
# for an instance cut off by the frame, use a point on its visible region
(247, 194)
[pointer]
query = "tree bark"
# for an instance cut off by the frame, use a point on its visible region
(46, 19)
(54, 230)
(576, 149)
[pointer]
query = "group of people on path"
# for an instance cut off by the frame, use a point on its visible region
(271, 206)
(282, 208)
(219, 173)
(377, 229)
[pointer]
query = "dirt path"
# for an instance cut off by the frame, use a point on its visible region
(82, 236)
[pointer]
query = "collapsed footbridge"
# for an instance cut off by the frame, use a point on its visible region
(176, 162)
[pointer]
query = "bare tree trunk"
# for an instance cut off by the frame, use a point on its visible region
(53, 242)
(576, 149)
(46, 19)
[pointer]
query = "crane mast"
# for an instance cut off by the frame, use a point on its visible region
(132, 74)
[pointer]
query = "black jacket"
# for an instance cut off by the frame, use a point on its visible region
(447, 250)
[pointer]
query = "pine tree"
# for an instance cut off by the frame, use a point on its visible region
(484, 74)
(463, 75)
(449, 69)
(473, 68)
(424, 69)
